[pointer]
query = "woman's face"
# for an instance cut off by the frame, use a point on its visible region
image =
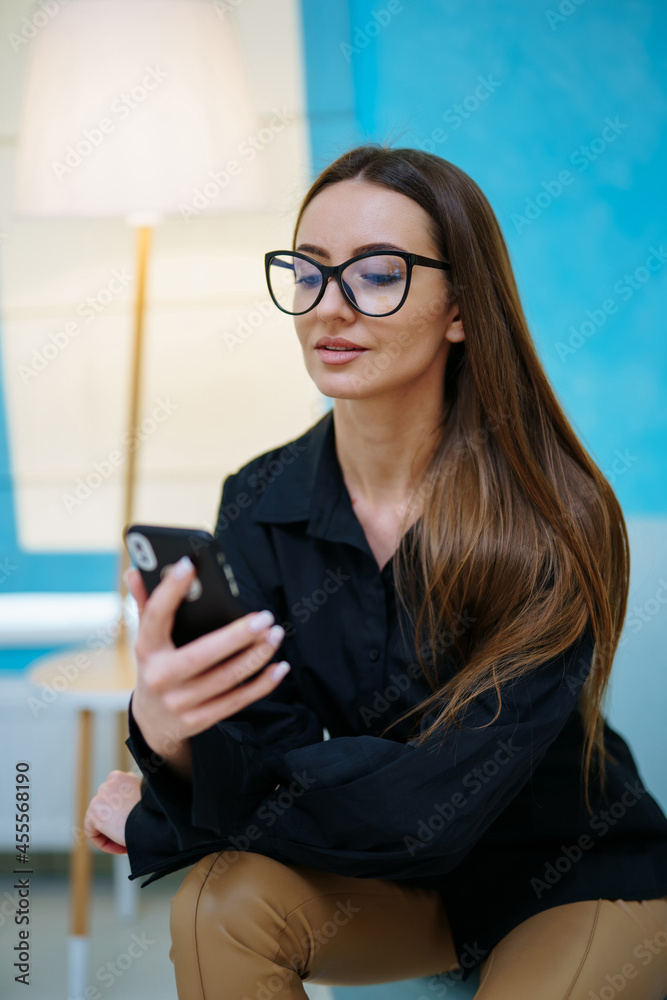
(408, 348)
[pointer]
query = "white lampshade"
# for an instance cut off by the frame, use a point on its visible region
(137, 107)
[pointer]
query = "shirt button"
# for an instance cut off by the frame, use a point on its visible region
(374, 655)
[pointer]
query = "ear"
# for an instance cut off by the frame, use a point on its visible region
(454, 332)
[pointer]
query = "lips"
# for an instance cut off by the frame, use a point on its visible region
(338, 351)
(339, 344)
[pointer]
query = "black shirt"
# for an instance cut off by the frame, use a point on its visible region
(494, 819)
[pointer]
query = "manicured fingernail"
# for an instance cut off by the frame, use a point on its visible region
(183, 567)
(126, 575)
(260, 621)
(281, 669)
(276, 635)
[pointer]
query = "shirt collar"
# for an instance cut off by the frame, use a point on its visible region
(311, 488)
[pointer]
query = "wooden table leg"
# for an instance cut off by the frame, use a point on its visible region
(80, 864)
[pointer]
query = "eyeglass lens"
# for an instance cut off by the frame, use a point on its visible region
(374, 284)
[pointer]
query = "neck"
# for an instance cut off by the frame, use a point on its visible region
(384, 449)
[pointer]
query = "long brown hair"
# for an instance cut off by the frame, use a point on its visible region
(522, 544)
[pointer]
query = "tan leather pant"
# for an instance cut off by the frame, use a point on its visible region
(247, 927)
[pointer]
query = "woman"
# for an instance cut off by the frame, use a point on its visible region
(471, 806)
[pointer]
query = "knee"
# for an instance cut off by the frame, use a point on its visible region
(219, 891)
(185, 903)
(222, 909)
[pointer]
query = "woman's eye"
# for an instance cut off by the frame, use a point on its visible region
(382, 279)
(308, 280)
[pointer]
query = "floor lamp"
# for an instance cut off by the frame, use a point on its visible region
(130, 108)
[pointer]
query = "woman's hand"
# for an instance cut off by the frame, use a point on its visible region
(107, 813)
(182, 691)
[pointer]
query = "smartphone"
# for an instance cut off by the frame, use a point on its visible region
(213, 599)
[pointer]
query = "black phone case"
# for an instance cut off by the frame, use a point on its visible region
(213, 599)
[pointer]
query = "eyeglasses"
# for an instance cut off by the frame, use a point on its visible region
(375, 284)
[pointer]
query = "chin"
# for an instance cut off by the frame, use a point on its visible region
(346, 388)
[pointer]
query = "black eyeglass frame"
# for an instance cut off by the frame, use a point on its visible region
(336, 271)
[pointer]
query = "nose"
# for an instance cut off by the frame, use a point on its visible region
(333, 304)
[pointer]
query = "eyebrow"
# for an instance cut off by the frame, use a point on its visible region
(311, 248)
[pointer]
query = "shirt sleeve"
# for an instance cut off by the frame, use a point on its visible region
(233, 762)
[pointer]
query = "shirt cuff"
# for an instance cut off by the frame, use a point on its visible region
(161, 788)
(230, 777)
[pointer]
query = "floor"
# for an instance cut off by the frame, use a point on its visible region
(116, 975)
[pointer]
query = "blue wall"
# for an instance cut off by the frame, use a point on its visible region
(517, 93)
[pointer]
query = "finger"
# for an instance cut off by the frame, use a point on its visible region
(207, 715)
(210, 649)
(91, 820)
(157, 620)
(89, 827)
(125, 783)
(107, 844)
(136, 587)
(224, 676)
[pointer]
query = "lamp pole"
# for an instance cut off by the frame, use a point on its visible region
(143, 243)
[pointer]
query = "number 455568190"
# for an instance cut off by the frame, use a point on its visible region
(22, 811)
